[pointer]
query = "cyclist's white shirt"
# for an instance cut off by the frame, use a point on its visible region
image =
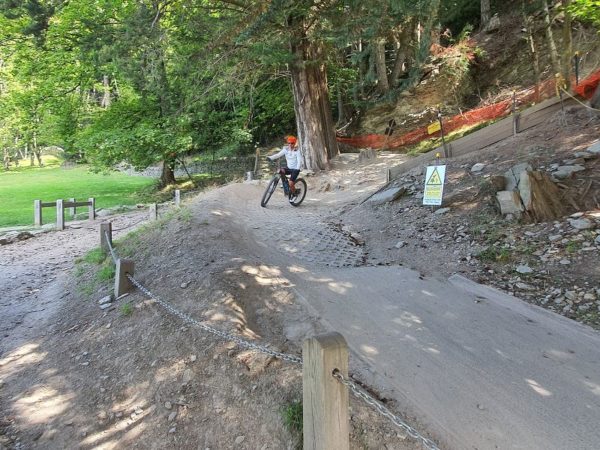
(293, 158)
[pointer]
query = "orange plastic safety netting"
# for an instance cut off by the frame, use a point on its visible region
(498, 110)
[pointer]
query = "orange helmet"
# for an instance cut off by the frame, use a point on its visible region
(291, 140)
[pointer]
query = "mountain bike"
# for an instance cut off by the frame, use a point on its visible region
(294, 198)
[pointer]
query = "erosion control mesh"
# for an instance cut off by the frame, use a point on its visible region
(498, 110)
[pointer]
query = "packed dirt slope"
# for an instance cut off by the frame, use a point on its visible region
(75, 373)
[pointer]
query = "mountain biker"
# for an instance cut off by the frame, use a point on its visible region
(293, 157)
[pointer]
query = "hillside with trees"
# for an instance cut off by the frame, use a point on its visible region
(157, 81)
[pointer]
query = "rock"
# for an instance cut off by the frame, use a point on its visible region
(188, 375)
(566, 171)
(172, 430)
(240, 439)
(513, 175)
(325, 187)
(493, 25)
(576, 161)
(105, 300)
(400, 244)
(477, 167)
(581, 224)
(172, 416)
(584, 155)
(14, 236)
(525, 190)
(564, 262)
(499, 182)
(105, 305)
(571, 295)
(509, 202)
(389, 195)
(184, 285)
(193, 358)
(524, 286)
(590, 297)
(594, 149)
(441, 211)
(524, 269)
(597, 240)
(168, 405)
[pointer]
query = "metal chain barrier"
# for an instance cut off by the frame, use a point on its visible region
(113, 254)
(361, 393)
(226, 336)
(355, 388)
(128, 226)
(111, 248)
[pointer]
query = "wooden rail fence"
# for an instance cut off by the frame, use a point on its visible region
(60, 205)
(503, 129)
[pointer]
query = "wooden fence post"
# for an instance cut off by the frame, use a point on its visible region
(177, 198)
(122, 283)
(153, 212)
(37, 213)
(105, 229)
(60, 215)
(325, 399)
(92, 208)
(72, 209)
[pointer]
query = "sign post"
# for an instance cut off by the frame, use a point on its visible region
(434, 185)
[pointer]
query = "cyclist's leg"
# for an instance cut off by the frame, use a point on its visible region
(294, 176)
(286, 181)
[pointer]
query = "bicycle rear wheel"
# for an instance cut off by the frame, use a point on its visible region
(269, 191)
(299, 193)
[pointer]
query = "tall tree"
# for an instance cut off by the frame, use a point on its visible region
(486, 13)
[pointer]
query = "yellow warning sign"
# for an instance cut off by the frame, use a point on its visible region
(434, 185)
(434, 179)
(433, 127)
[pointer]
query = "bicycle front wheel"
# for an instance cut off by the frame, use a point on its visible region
(299, 193)
(269, 191)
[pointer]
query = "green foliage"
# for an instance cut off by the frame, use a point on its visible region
(573, 246)
(292, 419)
(126, 309)
(586, 11)
(95, 256)
(19, 188)
(494, 254)
(106, 272)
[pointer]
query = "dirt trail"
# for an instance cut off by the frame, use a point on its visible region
(74, 375)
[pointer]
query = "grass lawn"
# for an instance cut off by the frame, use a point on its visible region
(19, 187)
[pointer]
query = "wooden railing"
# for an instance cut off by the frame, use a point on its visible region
(60, 205)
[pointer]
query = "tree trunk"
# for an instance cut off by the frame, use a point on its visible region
(402, 43)
(363, 67)
(486, 13)
(380, 66)
(36, 151)
(567, 45)
(534, 53)
(311, 105)
(550, 38)
(106, 97)
(343, 115)
(167, 176)
(6, 158)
